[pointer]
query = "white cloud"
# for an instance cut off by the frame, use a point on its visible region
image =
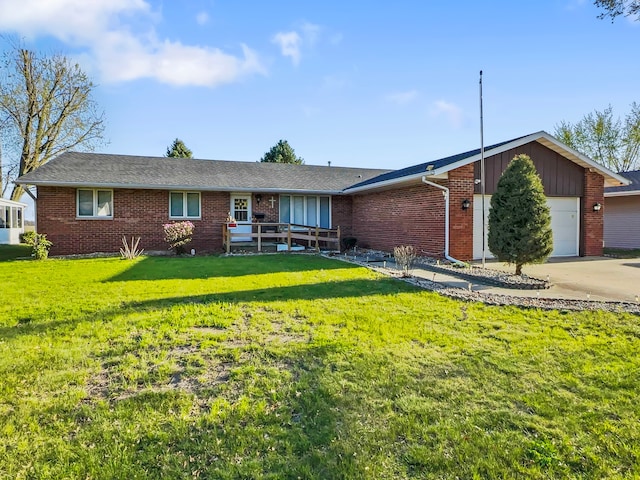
(120, 55)
(75, 21)
(124, 58)
(450, 111)
(402, 98)
(289, 43)
(292, 43)
(202, 18)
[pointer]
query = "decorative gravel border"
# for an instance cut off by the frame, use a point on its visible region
(495, 299)
(489, 276)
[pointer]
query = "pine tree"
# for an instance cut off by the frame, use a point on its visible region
(282, 152)
(519, 219)
(178, 150)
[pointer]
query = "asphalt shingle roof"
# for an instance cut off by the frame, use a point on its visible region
(91, 169)
(634, 186)
(421, 168)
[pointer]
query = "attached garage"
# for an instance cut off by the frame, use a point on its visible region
(435, 206)
(565, 224)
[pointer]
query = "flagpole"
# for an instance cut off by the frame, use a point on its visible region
(482, 183)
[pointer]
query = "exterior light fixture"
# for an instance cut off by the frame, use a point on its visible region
(466, 204)
(596, 207)
(258, 199)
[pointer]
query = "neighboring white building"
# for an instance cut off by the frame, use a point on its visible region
(11, 221)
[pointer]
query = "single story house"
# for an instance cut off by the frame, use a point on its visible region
(86, 202)
(622, 213)
(11, 221)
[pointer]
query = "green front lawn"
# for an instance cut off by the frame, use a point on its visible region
(289, 366)
(11, 252)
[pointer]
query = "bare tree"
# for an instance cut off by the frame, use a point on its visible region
(46, 109)
(613, 8)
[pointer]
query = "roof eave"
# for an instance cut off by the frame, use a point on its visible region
(386, 184)
(199, 188)
(12, 203)
(611, 178)
(627, 193)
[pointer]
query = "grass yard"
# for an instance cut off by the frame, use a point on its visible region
(9, 252)
(622, 253)
(292, 366)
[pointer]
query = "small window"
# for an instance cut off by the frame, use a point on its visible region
(93, 203)
(5, 217)
(184, 204)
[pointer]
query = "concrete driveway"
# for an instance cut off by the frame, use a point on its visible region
(595, 278)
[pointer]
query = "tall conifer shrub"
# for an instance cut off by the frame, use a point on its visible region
(519, 219)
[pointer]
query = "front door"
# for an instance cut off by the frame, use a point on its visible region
(241, 211)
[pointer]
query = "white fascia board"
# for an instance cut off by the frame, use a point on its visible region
(628, 193)
(11, 203)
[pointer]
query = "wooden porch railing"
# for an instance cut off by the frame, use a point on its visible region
(284, 233)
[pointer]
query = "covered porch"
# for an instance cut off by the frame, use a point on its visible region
(11, 221)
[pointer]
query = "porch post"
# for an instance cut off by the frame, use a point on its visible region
(289, 238)
(259, 238)
(317, 242)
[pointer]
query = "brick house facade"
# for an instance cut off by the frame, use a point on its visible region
(382, 209)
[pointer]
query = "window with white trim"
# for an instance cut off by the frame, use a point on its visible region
(94, 203)
(184, 204)
(309, 210)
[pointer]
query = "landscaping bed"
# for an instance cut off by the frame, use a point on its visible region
(384, 263)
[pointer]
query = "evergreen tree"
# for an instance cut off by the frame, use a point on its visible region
(282, 152)
(519, 219)
(178, 150)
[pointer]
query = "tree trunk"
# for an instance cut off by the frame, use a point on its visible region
(518, 269)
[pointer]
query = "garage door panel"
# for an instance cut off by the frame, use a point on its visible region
(565, 224)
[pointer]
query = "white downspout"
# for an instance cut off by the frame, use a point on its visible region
(445, 192)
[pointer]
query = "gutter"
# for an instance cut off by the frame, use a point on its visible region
(445, 193)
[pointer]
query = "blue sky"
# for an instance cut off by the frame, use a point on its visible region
(371, 84)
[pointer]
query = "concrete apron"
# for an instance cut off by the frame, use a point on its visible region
(578, 278)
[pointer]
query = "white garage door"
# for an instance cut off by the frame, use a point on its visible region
(565, 223)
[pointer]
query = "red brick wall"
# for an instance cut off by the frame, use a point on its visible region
(271, 212)
(139, 213)
(342, 214)
(592, 222)
(404, 216)
(461, 186)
